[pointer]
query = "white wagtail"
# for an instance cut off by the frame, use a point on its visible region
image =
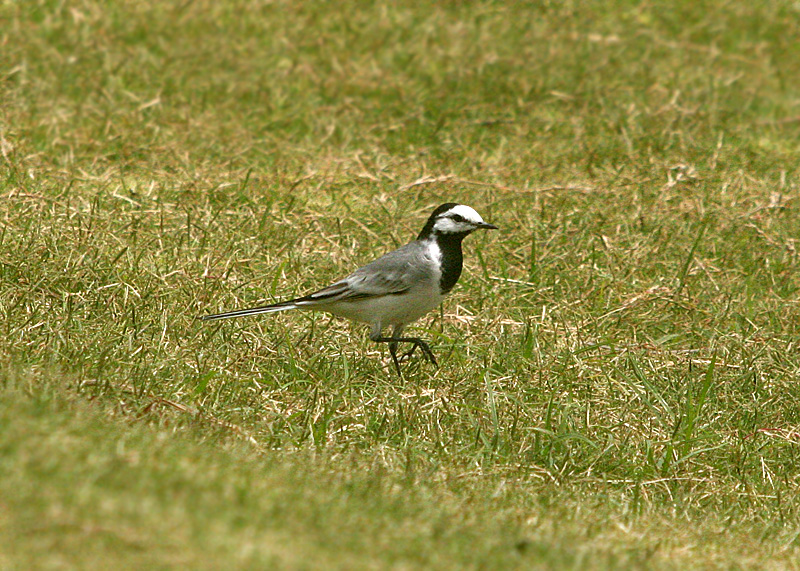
(397, 288)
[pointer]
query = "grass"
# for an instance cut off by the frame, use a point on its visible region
(619, 365)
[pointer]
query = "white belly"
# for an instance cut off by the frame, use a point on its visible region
(389, 310)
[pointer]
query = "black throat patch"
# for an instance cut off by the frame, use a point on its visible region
(452, 260)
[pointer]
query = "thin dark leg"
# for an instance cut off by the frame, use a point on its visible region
(407, 355)
(393, 352)
(416, 341)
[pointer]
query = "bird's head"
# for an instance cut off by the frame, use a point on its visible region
(453, 219)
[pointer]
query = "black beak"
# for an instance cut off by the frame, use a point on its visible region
(487, 226)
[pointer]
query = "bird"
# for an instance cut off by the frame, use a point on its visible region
(399, 287)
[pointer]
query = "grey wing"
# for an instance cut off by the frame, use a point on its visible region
(392, 274)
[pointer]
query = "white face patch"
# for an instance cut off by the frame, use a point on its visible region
(460, 218)
(465, 212)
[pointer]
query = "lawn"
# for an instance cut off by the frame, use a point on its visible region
(619, 364)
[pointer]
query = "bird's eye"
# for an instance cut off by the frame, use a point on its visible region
(458, 218)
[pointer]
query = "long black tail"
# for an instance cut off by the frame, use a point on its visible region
(339, 290)
(275, 307)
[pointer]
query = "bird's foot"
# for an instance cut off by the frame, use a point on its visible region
(416, 342)
(426, 352)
